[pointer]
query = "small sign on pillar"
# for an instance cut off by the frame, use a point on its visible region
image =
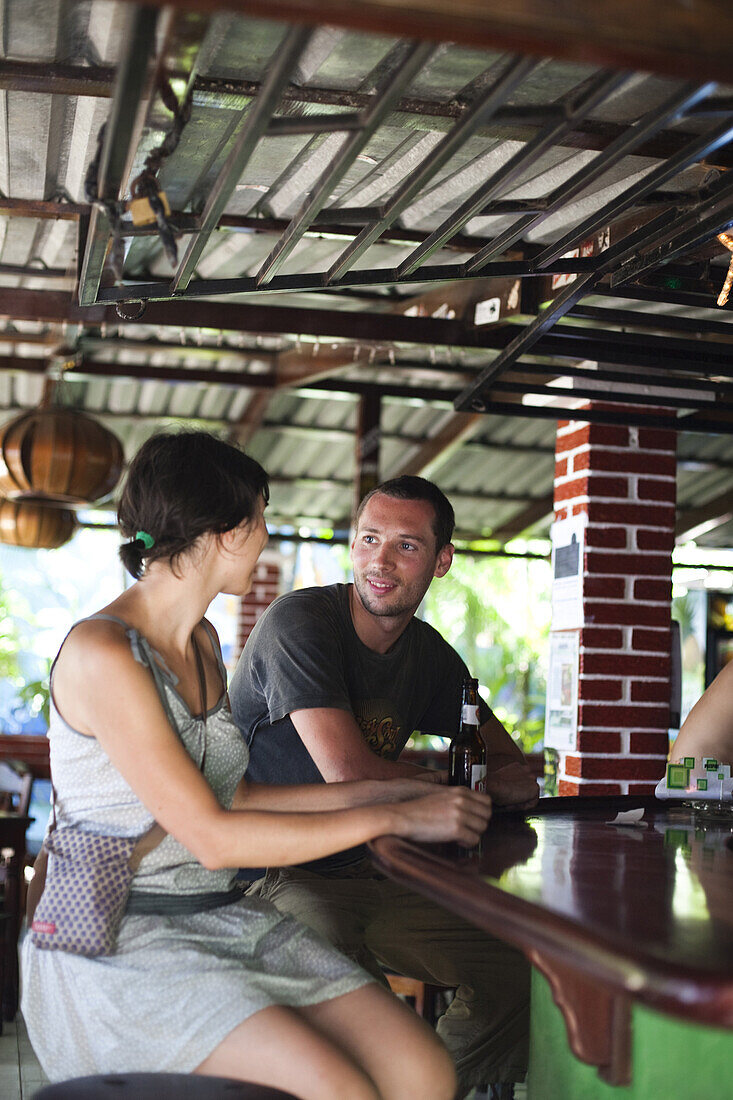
(561, 712)
(568, 545)
(561, 715)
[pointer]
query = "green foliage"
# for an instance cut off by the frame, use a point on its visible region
(35, 696)
(49, 590)
(684, 611)
(689, 611)
(496, 613)
(14, 616)
(13, 613)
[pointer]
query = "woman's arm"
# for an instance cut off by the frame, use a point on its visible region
(118, 704)
(306, 797)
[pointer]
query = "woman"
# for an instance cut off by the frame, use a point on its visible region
(200, 981)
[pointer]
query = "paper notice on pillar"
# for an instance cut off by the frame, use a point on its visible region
(568, 545)
(561, 713)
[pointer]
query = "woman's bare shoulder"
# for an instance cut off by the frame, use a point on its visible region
(96, 677)
(93, 642)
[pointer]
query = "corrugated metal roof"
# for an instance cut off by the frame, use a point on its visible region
(55, 100)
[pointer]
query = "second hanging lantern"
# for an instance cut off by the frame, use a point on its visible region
(33, 524)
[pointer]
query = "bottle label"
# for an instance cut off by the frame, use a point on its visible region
(469, 714)
(478, 778)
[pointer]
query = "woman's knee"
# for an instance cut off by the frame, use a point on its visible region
(364, 1089)
(338, 1082)
(437, 1075)
(278, 1047)
(409, 1061)
(423, 1070)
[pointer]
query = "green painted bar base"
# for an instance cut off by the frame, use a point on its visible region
(671, 1060)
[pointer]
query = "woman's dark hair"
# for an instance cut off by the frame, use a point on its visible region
(409, 487)
(181, 486)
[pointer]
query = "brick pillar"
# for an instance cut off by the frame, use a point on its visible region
(265, 588)
(624, 479)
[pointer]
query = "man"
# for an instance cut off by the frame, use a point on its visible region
(330, 685)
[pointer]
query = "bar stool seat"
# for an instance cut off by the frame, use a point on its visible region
(158, 1086)
(424, 996)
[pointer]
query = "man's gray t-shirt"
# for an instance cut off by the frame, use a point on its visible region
(304, 653)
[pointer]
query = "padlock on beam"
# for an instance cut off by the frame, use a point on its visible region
(142, 212)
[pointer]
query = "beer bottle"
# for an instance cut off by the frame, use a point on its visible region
(467, 753)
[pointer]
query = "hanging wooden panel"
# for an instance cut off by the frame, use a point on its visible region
(59, 453)
(33, 524)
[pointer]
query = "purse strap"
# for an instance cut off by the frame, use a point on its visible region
(149, 840)
(202, 682)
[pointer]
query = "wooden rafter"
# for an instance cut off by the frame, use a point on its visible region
(461, 300)
(58, 306)
(367, 474)
(454, 300)
(314, 361)
(715, 513)
(251, 420)
(510, 124)
(524, 519)
(453, 430)
(687, 40)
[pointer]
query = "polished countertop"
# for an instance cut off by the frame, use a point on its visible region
(646, 909)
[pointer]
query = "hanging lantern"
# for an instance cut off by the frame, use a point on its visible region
(34, 524)
(58, 453)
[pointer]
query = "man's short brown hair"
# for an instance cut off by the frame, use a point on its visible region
(409, 487)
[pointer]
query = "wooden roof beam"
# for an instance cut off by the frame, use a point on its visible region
(333, 222)
(251, 420)
(539, 509)
(713, 514)
(689, 41)
(512, 123)
(454, 300)
(500, 297)
(453, 430)
(298, 367)
(56, 307)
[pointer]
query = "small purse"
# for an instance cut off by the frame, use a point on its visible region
(81, 880)
(86, 887)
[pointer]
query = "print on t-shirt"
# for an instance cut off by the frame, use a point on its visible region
(381, 727)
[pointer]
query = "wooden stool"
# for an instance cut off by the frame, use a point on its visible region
(423, 995)
(159, 1086)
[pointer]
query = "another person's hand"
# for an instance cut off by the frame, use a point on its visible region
(513, 786)
(433, 775)
(451, 813)
(404, 790)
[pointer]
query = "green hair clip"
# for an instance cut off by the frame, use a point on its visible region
(147, 540)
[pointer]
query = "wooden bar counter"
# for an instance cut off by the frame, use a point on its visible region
(631, 927)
